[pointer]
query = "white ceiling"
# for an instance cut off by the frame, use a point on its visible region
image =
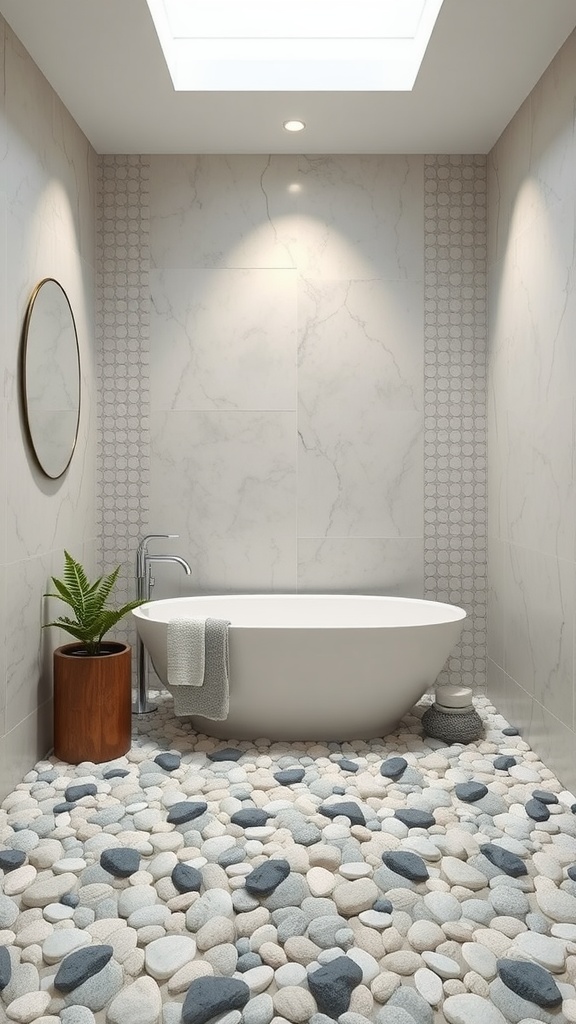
(104, 60)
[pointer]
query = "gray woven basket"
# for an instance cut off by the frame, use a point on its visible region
(462, 725)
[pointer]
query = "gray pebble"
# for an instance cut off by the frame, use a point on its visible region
(414, 1004)
(290, 893)
(295, 923)
(246, 961)
(76, 1015)
(259, 1010)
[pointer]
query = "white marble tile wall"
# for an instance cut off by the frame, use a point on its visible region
(283, 378)
(531, 414)
(47, 229)
(286, 368)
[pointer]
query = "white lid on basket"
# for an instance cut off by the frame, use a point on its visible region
(454, 696)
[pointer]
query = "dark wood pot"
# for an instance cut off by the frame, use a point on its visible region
(92, 703)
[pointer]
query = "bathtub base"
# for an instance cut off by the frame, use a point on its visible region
(337, 734)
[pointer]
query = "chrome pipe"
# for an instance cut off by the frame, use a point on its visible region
(144, 584)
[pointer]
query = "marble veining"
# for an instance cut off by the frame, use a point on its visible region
(212, 347)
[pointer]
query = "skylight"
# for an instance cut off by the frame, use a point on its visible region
(294, 45)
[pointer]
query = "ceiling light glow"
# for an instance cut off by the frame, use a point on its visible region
(294, 125)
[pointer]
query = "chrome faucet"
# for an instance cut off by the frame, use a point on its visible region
(144, 583)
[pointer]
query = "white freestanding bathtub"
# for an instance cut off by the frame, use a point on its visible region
(315, 666)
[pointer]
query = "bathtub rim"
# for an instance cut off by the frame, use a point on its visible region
(455, 613)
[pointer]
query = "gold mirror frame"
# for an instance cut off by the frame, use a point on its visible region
(50, 377)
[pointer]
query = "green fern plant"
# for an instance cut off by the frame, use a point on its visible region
(88, 602)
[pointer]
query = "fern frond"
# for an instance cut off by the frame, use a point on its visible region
(87, 601)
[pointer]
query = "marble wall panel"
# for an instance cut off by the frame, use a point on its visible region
(359, 471)
(361, 217)
(47, 203)
(218, 211)
(538, 612)
(226, 483)
(212, 346)
(532, 387)
(362, 566)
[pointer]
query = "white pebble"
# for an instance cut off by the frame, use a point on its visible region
(429, 985)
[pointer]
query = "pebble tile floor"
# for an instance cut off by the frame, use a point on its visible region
(396, 881)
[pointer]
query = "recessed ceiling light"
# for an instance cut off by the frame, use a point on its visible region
(294, 126)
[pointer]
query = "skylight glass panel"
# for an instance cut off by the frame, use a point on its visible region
(299, 45)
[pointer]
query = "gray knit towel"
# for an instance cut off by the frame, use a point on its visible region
(185, 648)
(212, 699)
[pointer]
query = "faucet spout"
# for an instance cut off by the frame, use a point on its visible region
(170, 558)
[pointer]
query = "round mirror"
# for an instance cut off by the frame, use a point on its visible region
(51, 377)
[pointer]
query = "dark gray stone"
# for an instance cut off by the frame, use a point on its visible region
(536, 810)
(250, 817)
(247, 961)
(232, 856)
(510, 730)
(332, 985)
(185, 878)
(226, 754)
(208, 997)
(347, 766)
(572, 872)
(414, 818)
(289, 775)
(338, 790)
(73, 793)
(169, 762)
(66, 805)
(5, 967)
(507, 862)
(393, 767)
(120, 861)
(242, 945)
(347, 807)
(80, 965)
(47, 776)
(70, 899)
(11, 859)
(186, 810)
(544, 796)
(266, 877)
(382, 906)
(407, 864)
(504, 762)
(470, 791)
(116, 773)
(531, 982)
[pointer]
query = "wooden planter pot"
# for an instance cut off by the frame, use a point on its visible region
(92, 703)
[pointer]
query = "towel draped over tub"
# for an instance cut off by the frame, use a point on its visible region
(198, 667)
